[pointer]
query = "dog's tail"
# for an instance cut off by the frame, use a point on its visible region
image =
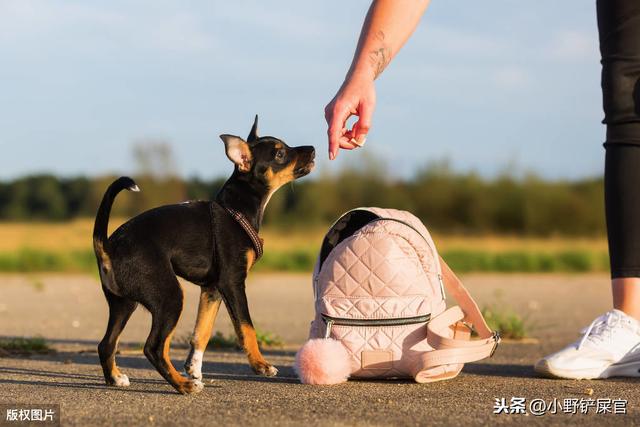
(102, 217)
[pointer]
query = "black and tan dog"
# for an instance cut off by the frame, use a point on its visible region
(211, 244)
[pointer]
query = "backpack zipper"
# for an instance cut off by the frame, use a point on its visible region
(340, 321)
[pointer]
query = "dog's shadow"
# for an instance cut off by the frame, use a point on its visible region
(238, 371)
(75, 381)
(212, 371)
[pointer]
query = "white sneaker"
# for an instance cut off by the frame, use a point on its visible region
(610, 347)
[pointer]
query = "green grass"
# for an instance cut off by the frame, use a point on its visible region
(268, 340)
(221, 341)
(36, 284)
(20, 345)
(466, 260)
(510, 325)
(226, 342)
(287, 260)
(28, 260)
(512, 261)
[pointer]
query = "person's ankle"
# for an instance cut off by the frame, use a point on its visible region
(626, 296)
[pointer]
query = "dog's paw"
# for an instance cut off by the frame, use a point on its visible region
(191, 387)
(193, 371)
(265, 369)
(193, 365)
(120, 380)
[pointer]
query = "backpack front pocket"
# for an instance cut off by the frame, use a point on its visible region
(330, 321)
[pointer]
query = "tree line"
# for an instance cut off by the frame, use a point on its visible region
(445, 200)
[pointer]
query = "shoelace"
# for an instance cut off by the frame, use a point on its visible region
(600, 327)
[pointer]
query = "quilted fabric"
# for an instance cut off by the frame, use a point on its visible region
(385, 270)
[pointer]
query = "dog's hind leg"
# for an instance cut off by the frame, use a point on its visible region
(207, 311)
(165, 313)
(120, 310)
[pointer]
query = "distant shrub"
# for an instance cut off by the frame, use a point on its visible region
(445, 199)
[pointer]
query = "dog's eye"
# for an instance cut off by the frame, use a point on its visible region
(280, 155)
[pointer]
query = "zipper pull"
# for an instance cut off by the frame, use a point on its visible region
(327, 333)
(441, 287)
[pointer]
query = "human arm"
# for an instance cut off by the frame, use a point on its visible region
(387, 27)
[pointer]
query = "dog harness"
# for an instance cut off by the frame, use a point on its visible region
(258, 243)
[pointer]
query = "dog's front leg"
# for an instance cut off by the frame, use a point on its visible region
(233, 293)
(210, 299)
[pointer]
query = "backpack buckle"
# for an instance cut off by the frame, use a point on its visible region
(496, 341)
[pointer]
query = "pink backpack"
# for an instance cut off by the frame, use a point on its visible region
(379, 287)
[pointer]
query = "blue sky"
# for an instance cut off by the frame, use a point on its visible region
(490, 86)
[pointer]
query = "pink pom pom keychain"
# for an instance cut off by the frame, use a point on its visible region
(323, 361)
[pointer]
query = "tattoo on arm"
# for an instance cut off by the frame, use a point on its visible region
(381, 56)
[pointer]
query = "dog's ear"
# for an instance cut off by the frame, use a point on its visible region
(253, 135)
(238, 152)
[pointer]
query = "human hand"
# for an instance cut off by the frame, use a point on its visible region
(357, 96)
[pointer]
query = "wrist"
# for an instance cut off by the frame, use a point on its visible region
(362, 73)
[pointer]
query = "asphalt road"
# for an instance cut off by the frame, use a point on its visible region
(71, 313)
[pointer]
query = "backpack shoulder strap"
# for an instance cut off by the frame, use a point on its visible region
(455, 349)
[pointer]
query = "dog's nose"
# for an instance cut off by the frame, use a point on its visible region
(310, 150)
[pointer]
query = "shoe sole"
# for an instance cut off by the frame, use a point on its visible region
(626, 369)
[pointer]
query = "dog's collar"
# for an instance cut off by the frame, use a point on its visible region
(258, 243)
